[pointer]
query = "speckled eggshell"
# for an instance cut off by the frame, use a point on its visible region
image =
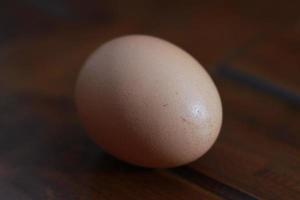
(148, 102)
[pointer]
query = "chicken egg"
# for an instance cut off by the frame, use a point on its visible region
(148, 102)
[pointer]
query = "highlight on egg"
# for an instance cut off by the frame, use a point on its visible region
(148, 102)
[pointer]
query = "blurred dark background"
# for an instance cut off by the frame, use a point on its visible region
(251, 49)
(257, 32)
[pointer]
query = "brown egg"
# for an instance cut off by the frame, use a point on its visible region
(148, 102)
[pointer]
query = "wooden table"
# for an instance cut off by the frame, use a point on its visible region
(251, 49)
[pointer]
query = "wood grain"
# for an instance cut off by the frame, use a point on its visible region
(250, 48)
(276, 58)
(46, 155)
(257, 151)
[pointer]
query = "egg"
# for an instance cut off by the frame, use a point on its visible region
(148, 102)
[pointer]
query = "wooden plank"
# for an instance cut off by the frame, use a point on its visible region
(211, 184)
(209, 30)
(257, 154)
(48, 63)
(45, 154)
(42, 75)
(45, 61)
(275, 59)
(257, 151)
(109, 182)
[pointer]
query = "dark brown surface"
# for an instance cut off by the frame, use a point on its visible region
(251, 49)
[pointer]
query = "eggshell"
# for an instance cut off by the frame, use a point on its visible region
(148, 102)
